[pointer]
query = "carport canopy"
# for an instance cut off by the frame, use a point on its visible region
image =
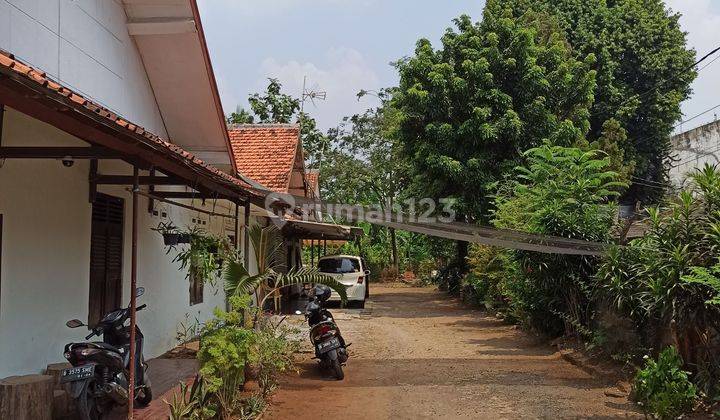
(301, 229)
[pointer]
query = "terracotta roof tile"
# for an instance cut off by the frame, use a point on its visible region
(265, 152)
(10, 65)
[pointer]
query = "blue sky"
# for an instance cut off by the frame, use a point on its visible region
(343, 46)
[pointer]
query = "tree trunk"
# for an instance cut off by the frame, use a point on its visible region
(28, 397)
(393, 241)
(462, 253)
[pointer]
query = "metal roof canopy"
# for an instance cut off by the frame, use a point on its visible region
(467, 232)
(301, 229)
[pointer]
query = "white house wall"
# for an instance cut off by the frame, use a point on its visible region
(85, 45)
(44, 277)
(694, 149)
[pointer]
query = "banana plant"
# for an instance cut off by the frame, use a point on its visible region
(267, 244)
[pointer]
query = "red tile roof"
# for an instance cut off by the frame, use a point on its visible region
(266, 153)
(16, 69)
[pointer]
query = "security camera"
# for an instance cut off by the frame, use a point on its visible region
(68, 161)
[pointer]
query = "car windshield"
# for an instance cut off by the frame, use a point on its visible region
(339, 265)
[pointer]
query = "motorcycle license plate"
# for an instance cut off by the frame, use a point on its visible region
(326, 346)
(77, 373)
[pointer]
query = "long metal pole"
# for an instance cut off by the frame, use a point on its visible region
(133, 291)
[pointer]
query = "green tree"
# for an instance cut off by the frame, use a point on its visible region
(493, 90)
(365, 164)
(643, 76)
(274, 106)
(240, 116)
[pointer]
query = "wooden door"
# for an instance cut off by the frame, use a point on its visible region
(106, 246)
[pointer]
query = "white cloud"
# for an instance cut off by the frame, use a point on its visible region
(701, 20)
(342, 74)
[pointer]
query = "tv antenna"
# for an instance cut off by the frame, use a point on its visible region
(311, 94)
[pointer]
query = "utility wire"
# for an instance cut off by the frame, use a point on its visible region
(708, 64)
(696, 116)
(671, 79)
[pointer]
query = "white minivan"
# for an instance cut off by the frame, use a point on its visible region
(351, 271)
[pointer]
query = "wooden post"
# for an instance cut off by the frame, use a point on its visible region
(312, 252)
(151, 189)
(246, 245)
(324, 247)
(2, 116)
(133, 291)
(237, 226)
(28, 397)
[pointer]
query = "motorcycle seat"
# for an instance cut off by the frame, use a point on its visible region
(99, 345)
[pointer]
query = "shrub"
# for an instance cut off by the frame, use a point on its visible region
(490, 268)
(225, 347)
(662, 387)
(566, 192)
(273, 352)
(667, 281)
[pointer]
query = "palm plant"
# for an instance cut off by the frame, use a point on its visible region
(267, 244)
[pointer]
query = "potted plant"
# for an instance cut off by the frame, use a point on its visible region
(170, 233)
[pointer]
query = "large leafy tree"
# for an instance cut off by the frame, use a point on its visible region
(491, 91)
(644, 73)
(365, 164)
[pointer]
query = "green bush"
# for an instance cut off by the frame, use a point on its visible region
(668, 281)
(662, 387)
(225, 347)
(273, 352)
(566, 192)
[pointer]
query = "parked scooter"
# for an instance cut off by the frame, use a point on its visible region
(100, 373)
(330, 347)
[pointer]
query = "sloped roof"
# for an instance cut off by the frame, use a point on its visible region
(169, 37)
(45, 87)
(266, 153)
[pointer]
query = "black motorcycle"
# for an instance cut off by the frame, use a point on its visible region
(100, 373)
(330, 347)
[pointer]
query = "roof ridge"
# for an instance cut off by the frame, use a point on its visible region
(262, 125)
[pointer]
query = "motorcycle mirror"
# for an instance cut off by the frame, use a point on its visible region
(74, 323)
(298, 313)
(367, 272)
(139, 291)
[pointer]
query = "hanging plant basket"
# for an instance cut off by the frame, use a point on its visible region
(171, 239)
(184, 238)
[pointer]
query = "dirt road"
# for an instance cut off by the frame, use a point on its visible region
(418, 354)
